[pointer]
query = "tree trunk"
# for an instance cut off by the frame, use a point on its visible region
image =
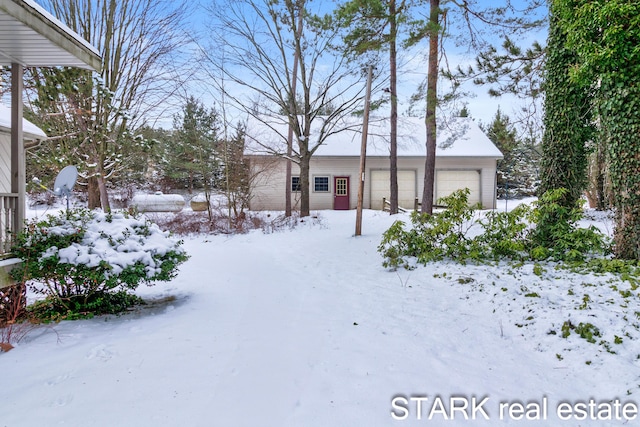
(93, 193)
(393, 122)
(104, 196)
(624, 150)
(293, 109)
(305, 159)
(287, 187)
(603, 201)
(432, 101)
(566, 120)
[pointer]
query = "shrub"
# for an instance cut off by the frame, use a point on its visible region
(548, 230)
(556, 233)
(51, 310)
(81, 260)
(12, 304)
(432, 237)
(505, 233)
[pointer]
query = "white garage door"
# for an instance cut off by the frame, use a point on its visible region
(449, 181)
(380, 188)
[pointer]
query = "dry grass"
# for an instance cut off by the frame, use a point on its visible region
(13, 327)
(187, 223)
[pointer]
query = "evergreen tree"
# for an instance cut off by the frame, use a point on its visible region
(374, 25)
(518, 170)
(150, 164)
(472, 16)
(193, 158)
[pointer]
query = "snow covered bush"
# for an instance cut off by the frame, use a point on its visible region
(87, 262)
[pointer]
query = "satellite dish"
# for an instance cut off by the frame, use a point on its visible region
(65, 181)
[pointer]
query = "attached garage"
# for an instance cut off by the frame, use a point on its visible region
(449, 181)
(381, 188)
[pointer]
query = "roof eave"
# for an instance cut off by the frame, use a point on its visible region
(31, 15)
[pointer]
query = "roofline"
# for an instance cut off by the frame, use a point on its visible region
(374, 156)
(26, 135)
(40, 21)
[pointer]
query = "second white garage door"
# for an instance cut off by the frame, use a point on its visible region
(448, 181)
(380, 188)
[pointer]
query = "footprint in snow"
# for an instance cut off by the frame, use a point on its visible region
(101, 352)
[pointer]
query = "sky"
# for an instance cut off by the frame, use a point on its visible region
(482, 107)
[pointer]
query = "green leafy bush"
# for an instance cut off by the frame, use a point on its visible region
(432, 237)
(51, 310)
(505, 234)
(556, 233)
(546, 230)
(85, 261)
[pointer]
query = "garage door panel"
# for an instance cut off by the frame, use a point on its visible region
(380, 188)
(449, 181)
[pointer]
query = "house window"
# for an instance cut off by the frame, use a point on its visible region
(295, 184)
(321, 184)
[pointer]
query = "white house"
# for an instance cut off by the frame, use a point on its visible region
(29, 37)
(32, 135)
(465, 158)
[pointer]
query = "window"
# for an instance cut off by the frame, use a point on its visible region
(321, 184)
(295, 183)
(341, 186)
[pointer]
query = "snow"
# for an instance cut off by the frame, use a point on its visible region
(29, 129)
(55, 21)
(457, 137)
(126, 242)
(305, 327)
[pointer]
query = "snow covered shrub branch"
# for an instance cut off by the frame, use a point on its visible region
(78, 258)
(547, 231)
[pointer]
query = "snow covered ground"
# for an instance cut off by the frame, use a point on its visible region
(305, 327)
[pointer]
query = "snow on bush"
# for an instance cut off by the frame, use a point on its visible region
(81, 253)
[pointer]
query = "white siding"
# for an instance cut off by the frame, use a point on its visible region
(267, 184)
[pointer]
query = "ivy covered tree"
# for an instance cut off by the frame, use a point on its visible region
(605, 35)
(567, 118)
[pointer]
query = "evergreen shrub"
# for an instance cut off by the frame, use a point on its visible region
(86, 262)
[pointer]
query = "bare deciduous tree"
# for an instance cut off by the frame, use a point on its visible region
(138, 41)
(261, 38)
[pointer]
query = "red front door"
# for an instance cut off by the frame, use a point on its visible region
(340, 192)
